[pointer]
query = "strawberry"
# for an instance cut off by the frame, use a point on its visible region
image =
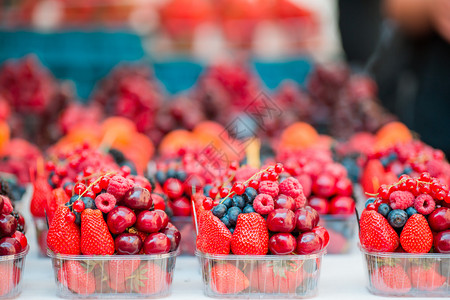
(277, 277)
(425, 278)
(95, 236)
(120, 270)
(376, 234)
(9, 277)
(391, 279)
(372, 175)
(338, 243)
(251, 236)
(149, 278)
(74, 276)
(416, 236)
(63, 237)
(214, 237)
(59, 197)
(41, 193)
(227, 279)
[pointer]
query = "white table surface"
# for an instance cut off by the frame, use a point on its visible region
(342, 276)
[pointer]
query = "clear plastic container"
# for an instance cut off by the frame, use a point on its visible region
(116, 276)
(342, 230)
(187, 230)
(267, 276)
(408, 275)
(11, 270)
(40, 224)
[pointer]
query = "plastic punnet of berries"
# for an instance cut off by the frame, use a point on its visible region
(108, 239)
(250, 246)
(405, 237)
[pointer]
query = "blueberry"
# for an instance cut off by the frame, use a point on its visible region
(384, 209)
(226, 221)
(397, 218)
(384, 161)
(238, 201)
(392, 157)
(88, 203)
(248, 209)
(228, 203)
(369, 201)
(160, 176)
(73, 199)
(411, 211)
(233, 214)
(180, 175)
(250, 194)
(77, 218)
(67, 183)
(206, 189)
(407, 170)
(171, 173)
(219, 210)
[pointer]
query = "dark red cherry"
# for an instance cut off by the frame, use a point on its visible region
(156, 243)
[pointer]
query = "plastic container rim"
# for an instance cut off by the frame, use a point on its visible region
(402, 255)
(260, 257)
(15, 256)
(51, 254)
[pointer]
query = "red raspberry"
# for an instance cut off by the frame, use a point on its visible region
(118, 186)
(105, 202)
(401, 199)
(300, 201)
(269, 188)
(291, 187)
(263, 204)
(424, 204)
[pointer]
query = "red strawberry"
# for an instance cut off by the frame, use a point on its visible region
(250, 236)
(74, 276)
(214, 237)
(41, 193)
(338, 243)
(416, 236)
(59, 197)
(95, 236)
(149, 278)
(277, 277)
(391, 279)
(63, 237)
(376, 234)
(9, 277)
(118, 271)
(227, 279)
(426, 278)
(372, 175)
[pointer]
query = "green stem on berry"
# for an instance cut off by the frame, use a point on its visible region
(93, 183)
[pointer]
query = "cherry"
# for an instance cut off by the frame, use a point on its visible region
(319, 204)
(314, 213)
(439, 219)
(324, 186)
(283, 201)
(21, 238)
(238, 188)
(2, 202)
(8, 225)
(442, 242)
(138, 198)
(341, 205)
(173, 188)
(173, 234)
(156, 243)
(281, 220)
(78, 206)
(282, 244)
(164, 218)
(128, 244)
(149, 221)
(305, 219)
(181, 207)
(70, 217)
(344, 187)
(308, 243)
(119, 219)
(158, 202)
(323, 234)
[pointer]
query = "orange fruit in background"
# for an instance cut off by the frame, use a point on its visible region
(175, 140)
(391, 134)
(299, 135)
(4, 135)
(119, 130)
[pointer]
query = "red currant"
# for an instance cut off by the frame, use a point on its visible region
(224, 192)
(55, 179)
(402, 186)
(88, 172)
(425, 188)
(371, 206)
(254, 184)
(61, 171)
(403, 177)
(264, 176)
(238, 188)
(79, 188)
(278, 168)
(440, 195)
(234, 165)
(78, 206)
(79, 178)
(70, 217)
(68, 189)
(383, 192)
(270, 169)
(436, 186)
(89, 194)
(273, 176)
(425, 176)
(49, 166)
(207, 203)
(104, 182)
(213, 192)
(447, 197)
(125, 170)
(411, 184)
(96, 188)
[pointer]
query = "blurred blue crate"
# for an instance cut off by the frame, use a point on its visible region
(178, 75)
(84, 57)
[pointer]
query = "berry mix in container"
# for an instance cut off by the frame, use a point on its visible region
(254, 241)
(405, 238)
(109, 239)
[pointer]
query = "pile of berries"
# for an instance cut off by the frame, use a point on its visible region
(412, 215)
(261, 215)
(113, 215)
(12, 229)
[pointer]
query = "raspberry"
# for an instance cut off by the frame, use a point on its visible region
(269, 188)
(105, 202)
(401, 199)
(291, 187)
(263, 204)
(118, 186)
(300, 201)
(424, 204)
